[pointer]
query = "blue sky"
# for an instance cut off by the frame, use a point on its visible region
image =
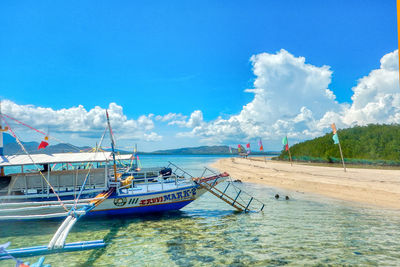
(160, 57)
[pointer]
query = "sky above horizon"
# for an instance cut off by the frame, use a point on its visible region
(189, 73)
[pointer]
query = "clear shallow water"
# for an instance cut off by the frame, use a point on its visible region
(306, 230)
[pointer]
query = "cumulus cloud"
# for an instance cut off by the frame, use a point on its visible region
(84, 123)
(292, 97)
(195, 119)
(170, 117)
(376, 97)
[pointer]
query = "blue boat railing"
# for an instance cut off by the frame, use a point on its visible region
(152, 178)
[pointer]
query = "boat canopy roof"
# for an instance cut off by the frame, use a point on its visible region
(18, 160)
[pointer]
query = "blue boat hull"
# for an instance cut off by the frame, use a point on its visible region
(141, 210)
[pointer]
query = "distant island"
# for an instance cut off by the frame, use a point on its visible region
(11, 147)
(208, 150)
(373, 144)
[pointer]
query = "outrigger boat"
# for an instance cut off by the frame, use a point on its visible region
(26, 195)
(101, 188)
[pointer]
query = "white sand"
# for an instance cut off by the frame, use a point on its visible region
(370, 186)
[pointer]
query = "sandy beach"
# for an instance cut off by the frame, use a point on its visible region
(375, 187)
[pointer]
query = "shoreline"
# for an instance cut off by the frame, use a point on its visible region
(376, 187)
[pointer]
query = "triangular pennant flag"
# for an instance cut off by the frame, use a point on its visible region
(333, 126)
(43, 144)
(261, 145)
(335, 138)
(284, 141)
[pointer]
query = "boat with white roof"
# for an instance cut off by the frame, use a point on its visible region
(97, 183)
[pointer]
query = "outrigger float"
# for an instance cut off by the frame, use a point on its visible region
(98, 183)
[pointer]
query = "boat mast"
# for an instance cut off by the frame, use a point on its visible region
(112, 146)
(136, 162)
(1, 140)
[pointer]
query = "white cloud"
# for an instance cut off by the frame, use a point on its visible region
(376, 97)
(170, 116)
(196, 119)
(292, 97)
(79, 122)
(152, 137)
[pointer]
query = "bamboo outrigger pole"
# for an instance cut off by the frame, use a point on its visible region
(112, 146)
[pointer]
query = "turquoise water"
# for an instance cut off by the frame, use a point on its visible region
(306, 230)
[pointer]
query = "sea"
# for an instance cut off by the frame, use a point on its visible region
(306, 230)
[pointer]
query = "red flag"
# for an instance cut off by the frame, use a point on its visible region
(261, 148)
(43, 144)
(286, 147)
(248, 145)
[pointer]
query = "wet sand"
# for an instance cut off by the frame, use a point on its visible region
(375, 187)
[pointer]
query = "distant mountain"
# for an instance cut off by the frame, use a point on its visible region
(11, 147)
(206, 150)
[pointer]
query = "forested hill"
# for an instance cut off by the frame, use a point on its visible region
(373, 142)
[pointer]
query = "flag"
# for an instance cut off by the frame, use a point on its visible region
(43, 144)
(335, 138)
(239, 148)
(285, 143)
(333, 126)
(261, 145)
(248, 145)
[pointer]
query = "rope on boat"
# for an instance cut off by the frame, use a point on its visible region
(39, 207)
(81, 202)
(26, 152)
(38, 131)
(89, 168)
(33, 217)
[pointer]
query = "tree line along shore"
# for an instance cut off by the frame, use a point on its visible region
(374, 144)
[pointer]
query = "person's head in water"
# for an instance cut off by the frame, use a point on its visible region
(276, 196)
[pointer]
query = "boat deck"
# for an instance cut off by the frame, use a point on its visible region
(150, 188)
